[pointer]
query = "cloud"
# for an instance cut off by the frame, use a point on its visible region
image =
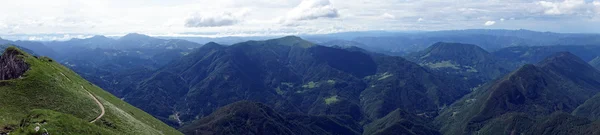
(489, 23)
(214, 19)
(597, 5)
(388, 16)
(567, 7)
(115, 17)
(2, 25)
(311, 10)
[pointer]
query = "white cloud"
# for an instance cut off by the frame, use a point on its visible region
(310, 10)
(2, 25)
(214, 19)
(502, 19)
(489, 23)
(388, 16)
(55, 37)
(221, 17)
(566, 7)
(597, 5)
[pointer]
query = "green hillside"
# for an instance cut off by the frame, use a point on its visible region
(58, 101)
(467, 61)
(530, 100)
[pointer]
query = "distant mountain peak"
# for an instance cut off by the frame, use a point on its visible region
(570, 66)
(443, 49)
(135, 36)
(455, 47)
(562, 55)
(291, 41)
(212, 44)
(461, 53)
(292, 37)
(562, 59)
(99, 37)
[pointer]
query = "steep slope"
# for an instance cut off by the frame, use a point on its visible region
(595, 62)
(246, 117)
(292, 75)
(563, 123)
(58, 101)
(402, 84)
(400, 121)
(590, 109)
(471, 62)
(560, 83)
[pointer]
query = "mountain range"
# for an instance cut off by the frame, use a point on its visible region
(32, 46)
(443, 82)
(110, 63)
(534, 54)
(294, 76)
(488, 39)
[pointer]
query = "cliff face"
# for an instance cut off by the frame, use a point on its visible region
(11, 66)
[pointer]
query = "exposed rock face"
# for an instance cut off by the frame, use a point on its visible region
(11, 65)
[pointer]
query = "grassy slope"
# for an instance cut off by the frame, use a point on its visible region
(52, 93)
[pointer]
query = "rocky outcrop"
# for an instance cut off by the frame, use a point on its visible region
(11, 64)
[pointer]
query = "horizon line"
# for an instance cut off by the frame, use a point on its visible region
(70, 36)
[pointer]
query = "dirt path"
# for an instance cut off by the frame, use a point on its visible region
(66, 77)
(99, 104)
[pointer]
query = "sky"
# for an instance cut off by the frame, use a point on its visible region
(215, 18)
